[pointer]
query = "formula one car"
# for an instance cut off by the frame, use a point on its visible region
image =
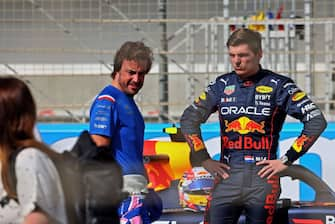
(319, 211)
(179, 185)
(184, 190)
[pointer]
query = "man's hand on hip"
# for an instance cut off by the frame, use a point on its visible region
(216, 168)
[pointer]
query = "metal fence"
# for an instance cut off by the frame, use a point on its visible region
(64, 48)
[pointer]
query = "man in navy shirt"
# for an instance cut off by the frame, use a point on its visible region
(252, 104)
(116, 121)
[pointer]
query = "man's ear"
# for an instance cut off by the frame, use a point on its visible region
(116, 75)
(260, 54)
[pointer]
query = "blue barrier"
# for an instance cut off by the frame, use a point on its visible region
(319, 158)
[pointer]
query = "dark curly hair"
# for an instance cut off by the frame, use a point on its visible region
(136, 51)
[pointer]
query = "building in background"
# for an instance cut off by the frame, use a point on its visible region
(64, 48)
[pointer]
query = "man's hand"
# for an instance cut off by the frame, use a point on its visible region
(216, 168)
(271, 167)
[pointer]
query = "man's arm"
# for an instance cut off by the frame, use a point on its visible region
(190, 121)
(101, 140)
(310, 133)
(190, 126)
(101, 117)
(299, 106)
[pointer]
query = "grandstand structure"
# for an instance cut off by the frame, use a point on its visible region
(64, 48)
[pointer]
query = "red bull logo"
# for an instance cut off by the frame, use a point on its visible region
(246, 142)
(196, 142)
(271, 198)
(244, 125)
(299, 143)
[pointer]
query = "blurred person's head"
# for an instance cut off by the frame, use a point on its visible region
(17, 123)
(17, 111)
(131, 63)
(245, 51)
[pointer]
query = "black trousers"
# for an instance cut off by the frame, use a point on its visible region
(244, 191)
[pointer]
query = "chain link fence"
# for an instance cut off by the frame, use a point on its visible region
(64, 48)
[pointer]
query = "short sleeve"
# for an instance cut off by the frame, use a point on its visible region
(38, 185)
(102, 116)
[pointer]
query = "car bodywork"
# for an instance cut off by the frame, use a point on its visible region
(167, 161)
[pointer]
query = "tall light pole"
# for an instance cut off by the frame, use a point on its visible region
(163, 66)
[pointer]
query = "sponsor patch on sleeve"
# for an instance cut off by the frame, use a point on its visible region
(196, 142)
(106, 97)
(298, 96)
(299, 143)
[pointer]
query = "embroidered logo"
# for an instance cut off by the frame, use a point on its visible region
(229, 90)
(264, 89)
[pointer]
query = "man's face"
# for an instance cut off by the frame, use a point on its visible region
(244, 61)
(130, 78)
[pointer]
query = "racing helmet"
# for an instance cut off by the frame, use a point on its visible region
(194, 188)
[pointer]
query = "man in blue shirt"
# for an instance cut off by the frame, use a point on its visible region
(116, 121)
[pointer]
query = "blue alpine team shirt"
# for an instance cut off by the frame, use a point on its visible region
(115, 115)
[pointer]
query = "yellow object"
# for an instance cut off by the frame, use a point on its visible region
(178, 153)
(171, 130)
(259, 17)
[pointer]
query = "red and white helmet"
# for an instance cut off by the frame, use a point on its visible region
(194, 188)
